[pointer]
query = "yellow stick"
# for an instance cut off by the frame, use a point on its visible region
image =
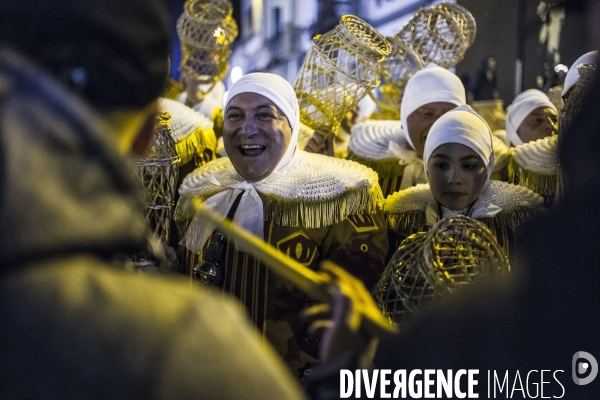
(308, 281)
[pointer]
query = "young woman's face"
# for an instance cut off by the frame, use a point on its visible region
(456, 175)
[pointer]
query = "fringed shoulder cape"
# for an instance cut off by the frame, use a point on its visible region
(407, 210)
(370, 146)
(322, 208)
(193, 133)
(535, 166)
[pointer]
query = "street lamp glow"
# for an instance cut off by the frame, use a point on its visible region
(561, 67)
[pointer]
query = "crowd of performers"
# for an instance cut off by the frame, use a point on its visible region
(396, 178)
(355, 197)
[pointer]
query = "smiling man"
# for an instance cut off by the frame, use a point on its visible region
(257, 133)
(395, 150)
(78, 90)
(309, 206)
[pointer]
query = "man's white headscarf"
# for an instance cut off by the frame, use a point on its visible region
(520, 108)
(249, 214)
(464, 126)
(429, 85)
(282, 94)
(573, 74)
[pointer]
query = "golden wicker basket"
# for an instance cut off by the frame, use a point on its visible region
(402, 289)
(158, 172)
(401, 64)
(456, 252)
(436, 36)
(459, 250)
(463, 17)
(396, 69)
(340, 68)
(206, 30)
(389, 105)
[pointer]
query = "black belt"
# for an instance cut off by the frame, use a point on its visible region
(210, 269)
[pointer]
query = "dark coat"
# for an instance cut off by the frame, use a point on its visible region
(73, 325)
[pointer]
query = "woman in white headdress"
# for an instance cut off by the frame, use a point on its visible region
(308, 206)
(458, 160)
(394, 149)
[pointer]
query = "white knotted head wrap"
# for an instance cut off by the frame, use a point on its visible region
(430, 85)
(520, 108)
(463, 126)
(413, 171)
(573, 73)
(249, 214)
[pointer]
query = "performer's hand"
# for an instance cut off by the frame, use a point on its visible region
(350, 119)
(339, 324)
(190, 85)
(321, 145)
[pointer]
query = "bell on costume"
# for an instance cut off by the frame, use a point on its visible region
(207, 273)
(208, 270)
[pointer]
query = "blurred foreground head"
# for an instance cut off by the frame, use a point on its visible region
(113, 52)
